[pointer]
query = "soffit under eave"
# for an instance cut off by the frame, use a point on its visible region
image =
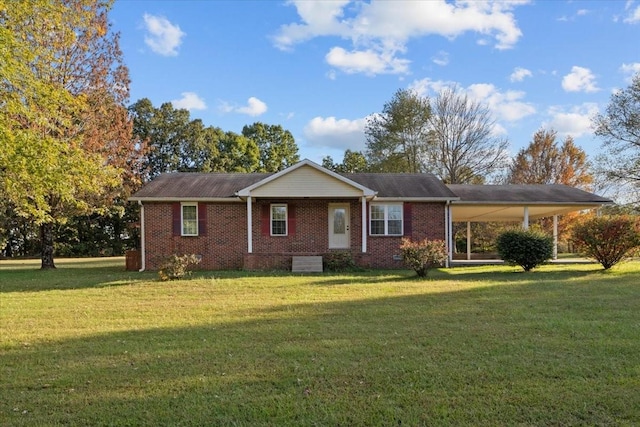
(505, 213)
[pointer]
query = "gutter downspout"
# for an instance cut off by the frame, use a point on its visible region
(142, 248)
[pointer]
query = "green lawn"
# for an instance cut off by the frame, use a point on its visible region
(90, 344)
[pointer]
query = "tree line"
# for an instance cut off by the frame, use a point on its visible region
(73, 150)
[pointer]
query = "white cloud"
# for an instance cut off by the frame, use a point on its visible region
(519, 74)
(630, 70)
(575, 122)
(254, 107)
(441, 58)
(634, 16)
(225, 107)
(508, 106)
(578, 13)
(379, 30)
(162, 36)
(367, 62)
(428, 87)
(189, 101)
(336, 133)
(319, 18)
(580, 79)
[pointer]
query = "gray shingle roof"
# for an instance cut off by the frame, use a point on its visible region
(190, 185)
(514, 194)
(403, 185)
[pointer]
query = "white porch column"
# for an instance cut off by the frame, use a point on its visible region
(364, 224)
(449, 232)
(468, 240)
(249, 226)
(525, 222)
(555, 237)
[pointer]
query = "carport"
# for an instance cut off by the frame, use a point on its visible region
(516, 203)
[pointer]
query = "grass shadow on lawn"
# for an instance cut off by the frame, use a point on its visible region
(497, 274)
(25, 275)
(70, 274)
(537, 352)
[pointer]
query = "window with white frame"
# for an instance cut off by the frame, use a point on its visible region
(189, 220)
(385, 220)
(279, 220)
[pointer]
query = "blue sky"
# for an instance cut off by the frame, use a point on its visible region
(320, 68)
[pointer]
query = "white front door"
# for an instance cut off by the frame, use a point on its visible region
(339, 236)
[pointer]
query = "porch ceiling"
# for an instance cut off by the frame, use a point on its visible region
(485, 203)
(504, 212)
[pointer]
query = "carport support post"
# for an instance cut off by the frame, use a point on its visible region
(468, 240)
(555, 237)
(525, 222)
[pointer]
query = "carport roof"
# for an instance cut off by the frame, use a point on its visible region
(483, 203)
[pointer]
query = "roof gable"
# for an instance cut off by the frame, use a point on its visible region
(306, 179)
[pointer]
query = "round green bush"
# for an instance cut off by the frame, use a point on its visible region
(526, 248)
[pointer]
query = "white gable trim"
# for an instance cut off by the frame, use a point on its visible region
(246, 192)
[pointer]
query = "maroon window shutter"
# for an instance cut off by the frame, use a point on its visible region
(408, 229)
(291, 220)
(176, 218)
(202, 219)
(265, 220)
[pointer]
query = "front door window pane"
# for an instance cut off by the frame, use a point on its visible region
(339, 224)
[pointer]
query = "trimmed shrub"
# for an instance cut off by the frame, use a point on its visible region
(423, 255)
(177, 267)
(607, 239)
(339, 261)
(526, 248)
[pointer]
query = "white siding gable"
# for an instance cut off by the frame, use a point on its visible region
(306, 181)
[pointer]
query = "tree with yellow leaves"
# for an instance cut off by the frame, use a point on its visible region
(64, 132)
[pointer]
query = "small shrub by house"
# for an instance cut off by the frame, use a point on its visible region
(178, 266)
(423, 255)
(526, 248)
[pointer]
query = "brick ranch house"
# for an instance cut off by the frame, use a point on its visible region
(261, 220)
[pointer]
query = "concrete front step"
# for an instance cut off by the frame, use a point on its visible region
(306, 264)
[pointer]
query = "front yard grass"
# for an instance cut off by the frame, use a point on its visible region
(92, 344)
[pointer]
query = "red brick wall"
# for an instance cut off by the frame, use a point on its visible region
(225, 244)
(427, 221)
(310, 236)
(222, 247)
